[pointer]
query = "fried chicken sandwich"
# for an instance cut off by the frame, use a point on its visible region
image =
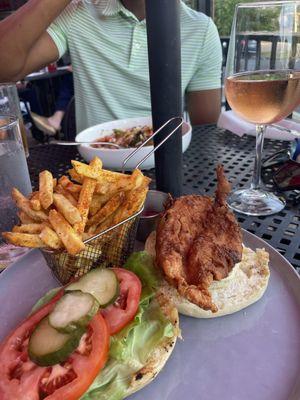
(198, 248)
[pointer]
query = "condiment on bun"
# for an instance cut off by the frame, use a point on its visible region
(244, 285)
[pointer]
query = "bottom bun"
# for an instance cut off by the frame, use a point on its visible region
(158, 358)
(245, 285)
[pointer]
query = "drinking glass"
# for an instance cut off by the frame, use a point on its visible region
(13, 173)
(10, 105)
(264, 88)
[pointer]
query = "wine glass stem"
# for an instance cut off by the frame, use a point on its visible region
(260, 135)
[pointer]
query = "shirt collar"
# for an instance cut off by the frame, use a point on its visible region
(108, 8)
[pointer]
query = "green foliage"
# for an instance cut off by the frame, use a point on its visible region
(224, 11)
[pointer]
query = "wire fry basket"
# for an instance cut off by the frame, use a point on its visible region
(109, 248)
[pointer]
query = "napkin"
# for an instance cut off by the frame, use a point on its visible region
(232, 122)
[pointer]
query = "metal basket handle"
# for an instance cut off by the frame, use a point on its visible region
(148, 140)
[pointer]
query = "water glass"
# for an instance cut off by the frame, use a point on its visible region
(10, 105)
(13, 173)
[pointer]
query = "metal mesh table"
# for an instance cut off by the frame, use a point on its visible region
(209, 147)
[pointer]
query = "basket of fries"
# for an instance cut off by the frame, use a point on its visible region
(85, 220)
(82, 222)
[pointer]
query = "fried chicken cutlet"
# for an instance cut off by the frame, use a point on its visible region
(198, 241)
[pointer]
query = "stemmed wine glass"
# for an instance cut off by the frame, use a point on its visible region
(264, 88)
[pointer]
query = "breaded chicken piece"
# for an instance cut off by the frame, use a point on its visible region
(198, 241)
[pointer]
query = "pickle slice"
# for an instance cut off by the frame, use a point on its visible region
(101, 283)
(48, 347)
(75, 309)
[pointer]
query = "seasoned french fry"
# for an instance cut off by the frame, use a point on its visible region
(59, 189)
(133, 202)
(106, 210)
(120, 183)
(28, 228)
(95, 204)
(92, 171)
(75, 176)
(34, 200)
(85, 199)
(24, 218)
(50, 238)
(66, 233)
(24, 205)
(23, 239)
(109, 222)
(99, 200)
(137, 179)
(111, 176)
(54, 182)
(65, 207)
(115, 182)
(35, 204)
(46, 189)
(68, 185)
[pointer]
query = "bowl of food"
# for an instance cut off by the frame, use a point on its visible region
(128, 134)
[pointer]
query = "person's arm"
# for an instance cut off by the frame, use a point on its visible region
(203, 95)
(25, 46)
(204, 107)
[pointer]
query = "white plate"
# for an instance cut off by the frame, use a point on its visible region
(251, 355)
(113, 158)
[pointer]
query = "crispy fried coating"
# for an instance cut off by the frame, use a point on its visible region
(198, 241)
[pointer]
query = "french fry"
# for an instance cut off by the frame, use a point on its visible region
(50, 238)
(114, 182)
(65, 207)
(85, 199)
(86, 195)
(23, 239)
(120, 183)
(75, 176)
(35, 201)
(93, 170)
(106, 211)
(66, 233)
(133, 202)
(35, 205)
(46, 189)
(95, 204)
(138, 179)
(68, 185)
(24, 218)
(28, 228)
(59, 189)
(111, 176)
(108, 223)
(24, 205)
(54, 182)
(101, 199)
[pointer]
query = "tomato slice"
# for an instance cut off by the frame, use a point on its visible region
(21, 379)
(124, 309)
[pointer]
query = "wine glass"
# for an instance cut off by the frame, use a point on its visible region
(263, 88)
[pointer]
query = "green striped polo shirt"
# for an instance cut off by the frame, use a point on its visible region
(108, 50)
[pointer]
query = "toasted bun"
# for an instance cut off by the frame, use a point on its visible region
(245, 285)
(158, 358)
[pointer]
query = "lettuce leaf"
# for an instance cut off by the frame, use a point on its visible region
(141, 263)
(129, 351)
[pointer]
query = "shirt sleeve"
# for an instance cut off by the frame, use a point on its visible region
(58, 30)
(208, 73)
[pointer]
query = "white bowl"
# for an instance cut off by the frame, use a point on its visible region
(113, 158)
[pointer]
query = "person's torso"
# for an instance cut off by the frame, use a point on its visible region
(110, 64)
